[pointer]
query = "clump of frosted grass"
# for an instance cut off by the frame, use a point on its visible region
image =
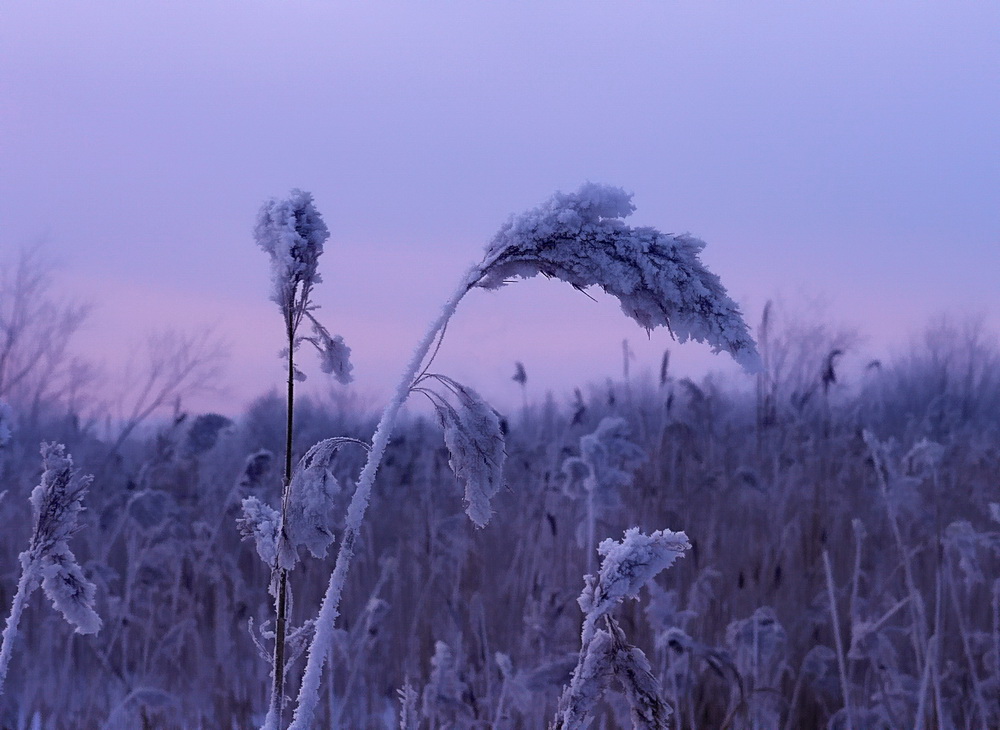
(443, 696)
(292, 233)
(579, 238)
(626, 567)
(56, 504)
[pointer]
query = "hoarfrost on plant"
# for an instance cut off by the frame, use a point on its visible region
(581, 238)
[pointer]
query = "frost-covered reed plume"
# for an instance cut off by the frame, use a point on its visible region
(582, 239)
(56, 504)
(292, 233)
(626, 567)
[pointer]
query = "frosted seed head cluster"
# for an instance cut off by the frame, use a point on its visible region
(582, 239)
(292, 233)
(627, 566)
(56, 504)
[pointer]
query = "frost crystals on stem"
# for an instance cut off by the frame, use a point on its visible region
(56, 504)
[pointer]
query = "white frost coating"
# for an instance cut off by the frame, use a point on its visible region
(476, 447)
(307, 517)
(589, 682)
(627, 566)
(581, 239)
(310, 497)
(56, 504)
(292, 233)
(578, 238)
(334, 356)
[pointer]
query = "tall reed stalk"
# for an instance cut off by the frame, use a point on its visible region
(581, 239)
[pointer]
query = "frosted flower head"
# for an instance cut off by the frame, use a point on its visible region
(582, 239)
(57, 500)
(628, 565)
(56, 504)
(292, 232)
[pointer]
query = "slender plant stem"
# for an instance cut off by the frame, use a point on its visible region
(319, 647)
(918, 636)
(273, 720)
(963, 630)
(10, 631)
(841, 666)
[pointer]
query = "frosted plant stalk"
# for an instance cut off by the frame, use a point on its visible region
(319, 649)
(292, 232)
(579, 238)
(56, 504)
(626, 567)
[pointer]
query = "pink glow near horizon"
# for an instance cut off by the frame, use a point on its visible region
(837, 150)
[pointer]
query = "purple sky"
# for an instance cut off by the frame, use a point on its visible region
(845, 151)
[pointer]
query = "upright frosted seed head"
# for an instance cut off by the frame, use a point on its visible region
(581, 238)
(628, 565)
(56, 504)
(292, 232)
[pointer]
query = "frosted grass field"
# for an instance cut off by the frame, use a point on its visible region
(833, 564)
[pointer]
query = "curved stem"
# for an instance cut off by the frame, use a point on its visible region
(319, 648)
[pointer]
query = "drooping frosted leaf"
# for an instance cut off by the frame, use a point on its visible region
(475, 443)
(334, 355)
(310, 499)
(658, 279)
